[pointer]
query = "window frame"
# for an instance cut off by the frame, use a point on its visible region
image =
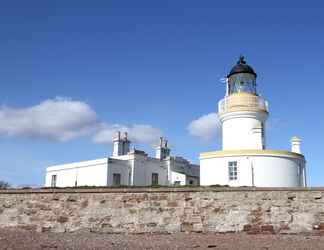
(53, 180)
(155, 179)
(232, 170)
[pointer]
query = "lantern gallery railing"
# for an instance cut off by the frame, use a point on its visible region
(242, 102)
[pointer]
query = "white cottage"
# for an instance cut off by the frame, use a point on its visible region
(244, 159)
(126, 168)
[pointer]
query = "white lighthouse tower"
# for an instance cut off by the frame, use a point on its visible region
(244, 159)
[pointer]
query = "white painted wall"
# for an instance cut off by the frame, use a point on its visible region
(134, 168)
(119, 167)
(175, 177)
(183, 171)
(239, 130)
(269, 171)
(144, 167)
(86, 173)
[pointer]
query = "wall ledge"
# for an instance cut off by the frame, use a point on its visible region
(155, 190)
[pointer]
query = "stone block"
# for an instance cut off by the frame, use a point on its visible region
(84, 204)
(62, 219)
(28, 227)
(267, 229)
(72, 198)
(252, 229)
(46, 229)
(172, 204)
(291, 196)
(186, 227)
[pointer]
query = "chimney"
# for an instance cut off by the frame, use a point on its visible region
(161, 142)
(295, 144)
(162, 151)
(118, 146)
(126, 144)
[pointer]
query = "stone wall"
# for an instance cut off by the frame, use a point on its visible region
(164, 210)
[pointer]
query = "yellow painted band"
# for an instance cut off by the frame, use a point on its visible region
(248, 109)
(244, 152)
(242, 94)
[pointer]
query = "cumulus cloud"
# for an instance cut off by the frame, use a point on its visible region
(63, 119)
(58, 119)
(206, 127)
(138, 133)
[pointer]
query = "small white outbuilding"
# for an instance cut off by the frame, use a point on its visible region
(126, 167)
(244, 159)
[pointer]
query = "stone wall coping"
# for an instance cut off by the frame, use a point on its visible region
(153, 190)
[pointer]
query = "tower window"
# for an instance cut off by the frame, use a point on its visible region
(116, 179)
(53, 181)
(232, 170)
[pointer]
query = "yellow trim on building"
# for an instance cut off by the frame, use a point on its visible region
(243, 94)
(238, 109)
(244, 152)
(242, 102)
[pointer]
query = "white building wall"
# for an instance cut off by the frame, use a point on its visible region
(260, 171)
(178, 177)
(183, 171)
(86, 173)
(144, 167)
(134, 168)
(119, 167)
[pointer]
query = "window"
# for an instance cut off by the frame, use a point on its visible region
(232, 170)
(191, 182)
(53, 181)
(155, 179)
(177, 183)
(116, 179)
(243, 82)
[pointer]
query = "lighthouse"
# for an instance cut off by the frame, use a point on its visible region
(242, 112)
(245, 159)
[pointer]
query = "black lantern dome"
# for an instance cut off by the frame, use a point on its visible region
(241, 67)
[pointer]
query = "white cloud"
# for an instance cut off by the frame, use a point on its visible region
(58, 119)
(206, 127)
(62, 119)
(138, 133)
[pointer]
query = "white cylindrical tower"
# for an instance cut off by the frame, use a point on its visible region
(242, 112)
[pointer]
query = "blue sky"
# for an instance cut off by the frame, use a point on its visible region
(150, 66)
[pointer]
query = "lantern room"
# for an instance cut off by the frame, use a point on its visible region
(241, 78)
